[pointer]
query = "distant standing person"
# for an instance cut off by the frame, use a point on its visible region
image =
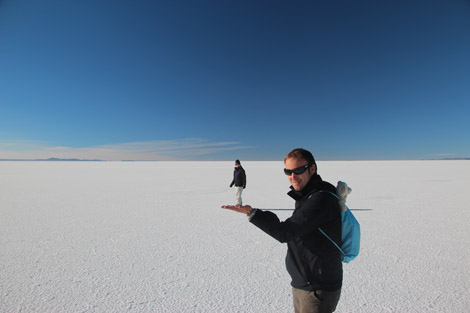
(312, 261)
(239, 180)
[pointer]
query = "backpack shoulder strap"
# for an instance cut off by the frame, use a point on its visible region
(326, 191)
(331, 193)
(332, 241)
(321, 230)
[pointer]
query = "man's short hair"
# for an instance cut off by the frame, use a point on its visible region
(301, 153)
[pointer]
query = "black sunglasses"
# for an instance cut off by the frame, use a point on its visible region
(297, 171)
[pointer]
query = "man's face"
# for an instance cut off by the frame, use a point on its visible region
(237, 165)
(299, 181)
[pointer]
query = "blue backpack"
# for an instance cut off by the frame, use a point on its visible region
(351, 235)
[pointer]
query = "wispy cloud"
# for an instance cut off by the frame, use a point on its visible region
(163, 150)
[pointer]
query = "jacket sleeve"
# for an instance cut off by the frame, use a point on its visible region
(314, 212)
(233, 180)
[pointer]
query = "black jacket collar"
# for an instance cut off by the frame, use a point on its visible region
(313, 184)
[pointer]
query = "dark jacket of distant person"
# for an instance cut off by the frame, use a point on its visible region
(239, 177)
(312, 261)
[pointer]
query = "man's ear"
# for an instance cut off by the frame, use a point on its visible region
(313, 169)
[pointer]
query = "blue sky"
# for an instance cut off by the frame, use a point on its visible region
(220, 80)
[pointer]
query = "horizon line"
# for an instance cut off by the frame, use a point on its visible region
(53, 159)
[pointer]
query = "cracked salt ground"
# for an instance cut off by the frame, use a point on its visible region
(151, 237)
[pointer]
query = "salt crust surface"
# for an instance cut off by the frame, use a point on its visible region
(151, 237)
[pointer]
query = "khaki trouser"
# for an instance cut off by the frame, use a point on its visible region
(238, 195)
(318, 301)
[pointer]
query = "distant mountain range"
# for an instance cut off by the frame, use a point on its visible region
(53, 159)
(453, 159)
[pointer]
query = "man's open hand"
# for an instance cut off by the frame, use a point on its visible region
(239, 208)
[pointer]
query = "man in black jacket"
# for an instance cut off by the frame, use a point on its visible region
(312, 261)
(239, 180)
